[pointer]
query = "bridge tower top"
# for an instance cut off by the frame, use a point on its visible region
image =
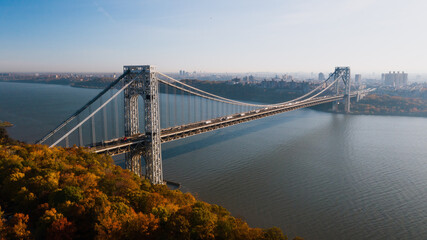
(139, 68)
(345, 72)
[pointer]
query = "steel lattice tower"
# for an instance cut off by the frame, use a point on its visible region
(346, 77)
(145, 84)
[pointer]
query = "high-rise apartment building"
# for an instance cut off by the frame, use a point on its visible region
(357, 78)
(395, 79)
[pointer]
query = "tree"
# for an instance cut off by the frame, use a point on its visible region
(274, 233)
(17, 227)
(66, 193)
(2, 227)
(61, 229)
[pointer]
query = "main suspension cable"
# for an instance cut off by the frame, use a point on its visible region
(60, 126)
(230, 101)
(93, 113)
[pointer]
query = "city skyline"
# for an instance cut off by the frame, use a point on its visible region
(222, 36)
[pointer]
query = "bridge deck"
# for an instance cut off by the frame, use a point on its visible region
(123, 145)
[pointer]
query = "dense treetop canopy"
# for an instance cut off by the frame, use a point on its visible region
(70, 193)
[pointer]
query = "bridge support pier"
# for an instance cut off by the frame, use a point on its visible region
(133, 162)
(347, 82)
(144, 84)
(335, 106)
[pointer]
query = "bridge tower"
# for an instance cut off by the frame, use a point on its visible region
(145, 84)
(346, 77)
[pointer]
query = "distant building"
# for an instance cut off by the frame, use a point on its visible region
(287, 77)
(395, 79)
(235, 80)
(321, 77)
(249, 79)
(183, 73)
(357, 78)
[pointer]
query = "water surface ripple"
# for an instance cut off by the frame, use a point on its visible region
(313, 174)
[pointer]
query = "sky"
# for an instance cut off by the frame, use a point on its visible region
(213, 36)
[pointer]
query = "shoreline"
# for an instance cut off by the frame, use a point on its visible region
(5, 124)
(376, 114)
(47, 83)
(328, 111)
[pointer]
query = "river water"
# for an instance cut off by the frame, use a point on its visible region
(313, 174)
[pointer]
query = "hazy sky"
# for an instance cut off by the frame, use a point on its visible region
(214, 36)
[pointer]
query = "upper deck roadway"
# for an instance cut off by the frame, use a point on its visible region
(126, 144)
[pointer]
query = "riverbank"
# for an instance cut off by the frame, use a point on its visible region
(5, 124)
(373, 104)
(387, 105)
(87, 85)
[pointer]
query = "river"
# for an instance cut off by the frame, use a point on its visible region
(313, 174)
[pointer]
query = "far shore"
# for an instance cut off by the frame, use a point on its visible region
(403, 114)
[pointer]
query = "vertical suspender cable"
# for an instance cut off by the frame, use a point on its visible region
(116, 114)
(188, 108)
(167, 106)
(67, 140)
(182, 106)
(222, 109)
(111, 111)
(195, 108)
(175, 107)
(207, 109)
(213, 109)
(161, 107)
(104, 114)
(202, 109)
(216, 109)
(80, 132)
(93, 127)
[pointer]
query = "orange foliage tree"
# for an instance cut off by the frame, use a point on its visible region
(70, 193)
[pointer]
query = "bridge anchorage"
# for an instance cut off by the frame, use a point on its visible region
(170, 115)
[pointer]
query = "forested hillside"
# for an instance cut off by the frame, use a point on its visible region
(390, 105)
(69, 193)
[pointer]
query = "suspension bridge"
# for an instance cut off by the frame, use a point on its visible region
(171, 110)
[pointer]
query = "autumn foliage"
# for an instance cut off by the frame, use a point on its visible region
(390, 105)
(70, 193)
